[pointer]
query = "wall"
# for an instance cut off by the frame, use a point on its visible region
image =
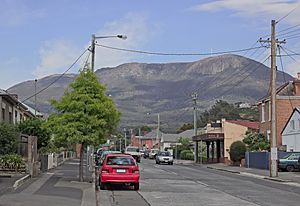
(291, 135)
(284, 109)
(232, 133)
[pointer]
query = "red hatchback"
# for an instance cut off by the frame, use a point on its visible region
(119, 168)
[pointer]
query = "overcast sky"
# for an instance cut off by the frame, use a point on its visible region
(40, 38)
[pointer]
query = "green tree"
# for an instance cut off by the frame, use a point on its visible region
(237, 151)
(8, 138)
(36, 127)
(185, 127)
(256, 142)
(85, 115)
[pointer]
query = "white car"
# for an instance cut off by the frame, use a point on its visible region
(164, 157)
(153, 153)
(134, 152)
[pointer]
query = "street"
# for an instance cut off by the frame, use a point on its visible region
(196, 185)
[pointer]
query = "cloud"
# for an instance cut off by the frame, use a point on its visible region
(255, 8)
(138, 31)
(56, 57)
(15, 13)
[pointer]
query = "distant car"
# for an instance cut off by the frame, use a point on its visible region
(119, 169)
(153, 153)
(289, 162)
(105, 153)
(164, 157)
(134, 152)
(146, 154)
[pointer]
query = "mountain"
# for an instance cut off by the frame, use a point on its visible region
(139, 89)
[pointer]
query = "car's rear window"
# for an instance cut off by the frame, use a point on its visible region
(119, 160)
(164, 154)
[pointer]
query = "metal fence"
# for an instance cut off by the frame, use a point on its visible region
(260, 160)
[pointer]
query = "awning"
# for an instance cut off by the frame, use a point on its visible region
(209, 137)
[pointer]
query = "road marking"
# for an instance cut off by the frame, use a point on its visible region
(202, 183)
(173, 172)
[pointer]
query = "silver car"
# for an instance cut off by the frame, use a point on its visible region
(164, 157)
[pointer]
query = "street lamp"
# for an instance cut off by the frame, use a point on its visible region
(94, 37)
(158, 128)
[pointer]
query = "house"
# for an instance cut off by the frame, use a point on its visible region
(287, 99)
(291, 132)
(148, 141)
(218, 137)
(13, 110)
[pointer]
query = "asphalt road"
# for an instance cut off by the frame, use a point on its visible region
(180, 185)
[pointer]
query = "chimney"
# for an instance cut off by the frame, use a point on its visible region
(298, 75)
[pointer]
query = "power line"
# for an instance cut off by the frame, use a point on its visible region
(290, 32)
(283, 74)
(293, 37)
(55, 80)
(177, 54)
(287, 14)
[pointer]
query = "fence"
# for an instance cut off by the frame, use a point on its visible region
(52, 160)
(260, 160)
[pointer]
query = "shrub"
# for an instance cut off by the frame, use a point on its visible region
(237, 151)
(8, 138)
(12, 162)
(186, 155)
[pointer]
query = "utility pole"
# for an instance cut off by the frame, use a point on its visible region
(195, 97)
(35, 82)
(140, 140)
(273, 139)
(93, 51)
(125, 137)
(157, 131)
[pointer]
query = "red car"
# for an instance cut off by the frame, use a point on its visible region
(119, 168)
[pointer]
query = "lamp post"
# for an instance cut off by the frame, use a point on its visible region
(157, 129)
(93, 50)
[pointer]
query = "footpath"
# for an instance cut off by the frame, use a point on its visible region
(288, 178)
(58, 186)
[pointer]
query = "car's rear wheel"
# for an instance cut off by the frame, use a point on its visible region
(136, 186)
(290, 168)
(171, 163)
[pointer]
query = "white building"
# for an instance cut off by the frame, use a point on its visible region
(291, 132)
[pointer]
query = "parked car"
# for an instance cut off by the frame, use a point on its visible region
(134, 152)
(119, 169)
(289, 162)
(153, 153)
(164, 157)
(105, 153)
(146, 154)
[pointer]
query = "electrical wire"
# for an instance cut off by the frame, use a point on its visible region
(177, 54)
(290, 32)
(283, 74)
(55, 80)
(285, 16)
(293, 37)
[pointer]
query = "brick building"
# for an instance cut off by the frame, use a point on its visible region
(287, 98)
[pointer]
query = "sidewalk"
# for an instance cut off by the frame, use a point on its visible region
(289, 178)
(59, 186)
(7, 181)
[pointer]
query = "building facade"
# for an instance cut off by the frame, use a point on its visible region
(287, 99)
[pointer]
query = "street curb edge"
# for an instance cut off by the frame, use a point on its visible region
(20, 181)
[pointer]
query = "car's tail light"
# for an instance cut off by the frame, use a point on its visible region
(136, 171)
(104, 171)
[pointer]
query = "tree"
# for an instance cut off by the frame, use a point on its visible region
(256, 142)
(185, 127)
(8, 138)
(85, 115)
(237, 151)
(36, 127)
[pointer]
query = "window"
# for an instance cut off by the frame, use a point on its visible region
(16, 117)
(10, 117)
(3, 114)
(298, 124)
(292, 124)
(270, 110)
(263, 112)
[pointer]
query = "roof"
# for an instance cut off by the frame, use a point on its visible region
(170, 137)
(245, 123)
(152, 135)
(187, 134)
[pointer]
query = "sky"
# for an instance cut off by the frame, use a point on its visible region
(40, 38)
